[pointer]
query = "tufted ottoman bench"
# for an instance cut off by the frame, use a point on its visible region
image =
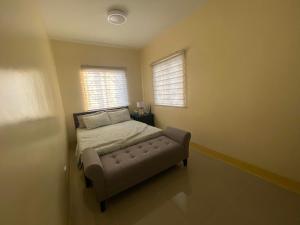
(119, 170)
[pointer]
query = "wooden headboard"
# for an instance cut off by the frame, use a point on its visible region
(75, 115)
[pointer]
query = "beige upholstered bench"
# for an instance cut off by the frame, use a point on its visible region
(112, 173)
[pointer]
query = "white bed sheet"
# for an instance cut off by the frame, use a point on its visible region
(113, 137)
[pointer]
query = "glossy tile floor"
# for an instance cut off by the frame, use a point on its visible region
(208, 192)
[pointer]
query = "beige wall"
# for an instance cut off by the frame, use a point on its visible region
(243, 78)
(70, 56)
(33, 143)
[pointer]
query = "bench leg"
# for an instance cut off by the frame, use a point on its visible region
(185, 162)
(103, 206)
(88, 182)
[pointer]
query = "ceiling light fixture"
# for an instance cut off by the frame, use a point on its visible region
(116, 16)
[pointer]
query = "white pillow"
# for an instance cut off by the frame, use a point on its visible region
(119, 116)
(80, 122)
(96, 120)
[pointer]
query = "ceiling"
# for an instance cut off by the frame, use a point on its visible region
(85, 20)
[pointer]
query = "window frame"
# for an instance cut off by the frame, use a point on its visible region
(170, 56)
(85, 105)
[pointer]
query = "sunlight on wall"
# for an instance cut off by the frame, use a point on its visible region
(23, 95)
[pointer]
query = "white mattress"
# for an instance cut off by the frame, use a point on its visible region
(113, 137)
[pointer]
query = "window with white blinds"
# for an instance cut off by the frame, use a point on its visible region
(103, 88)
(169, 81)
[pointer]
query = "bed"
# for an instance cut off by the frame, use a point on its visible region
(118, 155)
(106, 139)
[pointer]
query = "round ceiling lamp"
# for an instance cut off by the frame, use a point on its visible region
(116, 16)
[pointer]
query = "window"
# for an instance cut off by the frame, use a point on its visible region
(103, 88)
(169, 81)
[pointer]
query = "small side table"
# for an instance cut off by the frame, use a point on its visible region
(147, 118)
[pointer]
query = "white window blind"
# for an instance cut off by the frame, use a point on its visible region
(169, 81)
(104, 88)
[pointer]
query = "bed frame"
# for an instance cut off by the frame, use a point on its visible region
(75, 115)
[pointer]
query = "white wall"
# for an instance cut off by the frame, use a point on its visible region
(33, 143)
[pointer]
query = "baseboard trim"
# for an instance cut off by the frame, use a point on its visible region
(271, 177)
